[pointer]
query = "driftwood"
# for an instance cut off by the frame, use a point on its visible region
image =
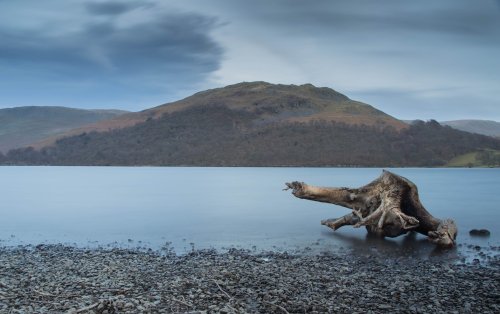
(389, 207)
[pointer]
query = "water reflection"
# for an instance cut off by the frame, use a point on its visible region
(411, 245)
(230, 207)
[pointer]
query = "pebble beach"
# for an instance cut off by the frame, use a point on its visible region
(63, 279)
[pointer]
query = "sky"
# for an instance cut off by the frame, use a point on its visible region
(421, 59)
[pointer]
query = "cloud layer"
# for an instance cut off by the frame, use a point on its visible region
(114, 50)
(422, 59)
(393, 54)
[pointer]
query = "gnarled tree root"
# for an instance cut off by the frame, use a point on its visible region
(389, 206)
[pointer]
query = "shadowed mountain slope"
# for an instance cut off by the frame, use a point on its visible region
(486, 127)
(22, 126)
(260, 124)
(270, 103)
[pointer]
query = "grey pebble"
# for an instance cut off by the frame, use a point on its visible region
(59, 279)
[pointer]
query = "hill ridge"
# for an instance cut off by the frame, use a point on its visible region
(258, 124)
(486, 127)
(22, 126)
(272, 102)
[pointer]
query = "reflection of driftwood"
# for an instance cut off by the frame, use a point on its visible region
(389, 206)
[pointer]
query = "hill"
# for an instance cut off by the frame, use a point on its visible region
(270, 103)
(486, 127)
(23, 126)
(481, 158)
(259, 124)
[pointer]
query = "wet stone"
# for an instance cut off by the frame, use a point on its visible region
(480, 233)
(58, 279)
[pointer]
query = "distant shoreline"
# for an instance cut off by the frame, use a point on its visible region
(282, 166)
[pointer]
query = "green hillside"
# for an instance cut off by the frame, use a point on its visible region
(482, 158)
(24, 126)
(221, 128)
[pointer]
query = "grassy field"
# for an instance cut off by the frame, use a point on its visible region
(473, 159)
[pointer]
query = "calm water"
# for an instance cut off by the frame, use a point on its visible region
(222, 207)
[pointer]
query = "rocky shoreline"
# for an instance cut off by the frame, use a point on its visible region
(61, 279)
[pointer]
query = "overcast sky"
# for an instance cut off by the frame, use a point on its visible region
(411, 59)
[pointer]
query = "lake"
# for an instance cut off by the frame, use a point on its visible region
(186, 207)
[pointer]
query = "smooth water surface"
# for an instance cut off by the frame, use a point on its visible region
(222, 207)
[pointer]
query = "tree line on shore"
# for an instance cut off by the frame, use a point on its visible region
(219, 136)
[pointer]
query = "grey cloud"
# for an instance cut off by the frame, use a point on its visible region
(113, 49)
(455, 17)
(163, 51)
(170, 42)
(113, 7)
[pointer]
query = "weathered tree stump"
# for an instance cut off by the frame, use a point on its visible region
(389, 207)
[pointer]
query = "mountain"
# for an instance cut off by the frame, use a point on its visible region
(270, 103)
(258, 124)
(486, 127)
(23, 126)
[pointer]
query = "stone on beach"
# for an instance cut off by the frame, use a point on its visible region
(59, 279)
